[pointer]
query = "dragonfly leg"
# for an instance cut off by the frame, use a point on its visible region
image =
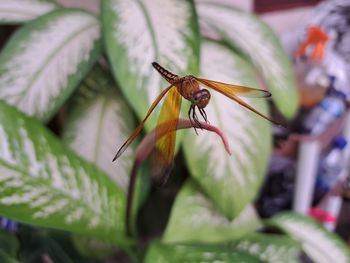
(189, 117)
(195, 118)
(204, 114)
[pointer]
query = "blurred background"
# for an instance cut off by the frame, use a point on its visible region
(74, 83)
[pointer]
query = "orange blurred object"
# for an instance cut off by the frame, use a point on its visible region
(317, 38)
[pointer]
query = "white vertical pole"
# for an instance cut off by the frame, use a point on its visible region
(308, 159)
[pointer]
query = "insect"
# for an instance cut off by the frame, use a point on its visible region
(189, 88)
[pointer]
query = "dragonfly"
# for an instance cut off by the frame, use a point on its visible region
(187, 87)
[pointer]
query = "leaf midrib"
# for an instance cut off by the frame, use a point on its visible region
(99, 129)
(151, 30)
(49, 59)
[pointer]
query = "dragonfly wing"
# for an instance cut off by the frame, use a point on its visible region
(166, 135)
(240, 91)
(233, 91)
(140, 126)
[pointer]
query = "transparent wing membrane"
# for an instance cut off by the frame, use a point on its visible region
(140, 126)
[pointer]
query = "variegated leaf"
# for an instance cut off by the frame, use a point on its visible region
(43, 182)
(136, 33)
(252, 36)
(269, 248)
(230, 181)
(98, 122)
(195, 218)
(45, 59)
(196, 253)
(19, 11)
(318, 243)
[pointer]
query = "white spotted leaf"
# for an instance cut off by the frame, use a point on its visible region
(195, 218)
(196, 253)
(43, 182)
(231, 182)
(269, 248)
(318, 243)
(20, 11)
(136, 33)
(257, 41)
(45, 59)
(98, 122)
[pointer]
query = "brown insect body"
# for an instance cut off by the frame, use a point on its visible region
(170, 77)
(187, 86)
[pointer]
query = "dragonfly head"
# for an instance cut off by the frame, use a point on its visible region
(201, 98)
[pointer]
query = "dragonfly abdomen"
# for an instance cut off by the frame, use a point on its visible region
(170, 77)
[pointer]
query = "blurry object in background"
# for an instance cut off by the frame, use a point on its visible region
(313, 45)
(331, 164)
(331, 108)
(263, 6)
(333, 206)
(8, 224)
(346, 193)
(277, 192)
(343, 225)
(329, 22)
(312, 83)
(290, 139)
(321, 215)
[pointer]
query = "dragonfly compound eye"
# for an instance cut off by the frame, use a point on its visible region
(201, 98)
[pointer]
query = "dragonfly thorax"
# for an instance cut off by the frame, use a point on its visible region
(189, 88)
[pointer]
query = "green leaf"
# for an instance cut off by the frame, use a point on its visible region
(136, 33)
(44, 183)
(94, 248)
(56, 244)
(9, 243)
(19, 11)
(99, 116)
(194, 218)
(38, 245)
(318, 243)
(193, 253)
(232, 181)
(45, 59)
(269, 248)
(6, 258)
(255, 39)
